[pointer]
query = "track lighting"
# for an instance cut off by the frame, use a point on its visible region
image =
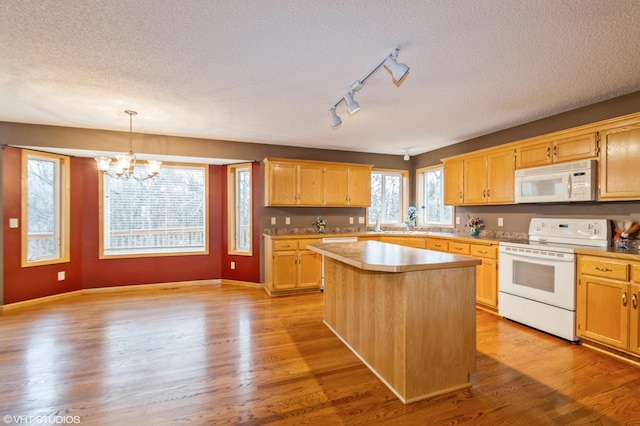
(398, 72)
(352, 105)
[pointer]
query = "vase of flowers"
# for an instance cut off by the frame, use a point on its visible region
(475, 224)
(320, 224)
(412, 216)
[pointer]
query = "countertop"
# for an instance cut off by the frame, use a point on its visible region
(413, 234)
(385, 257)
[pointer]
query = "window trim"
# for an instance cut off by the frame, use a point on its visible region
(421, 202)
(63, 209)
(102, 255)
(232, 207)
(404, 203)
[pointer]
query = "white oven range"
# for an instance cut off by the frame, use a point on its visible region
(537, 277)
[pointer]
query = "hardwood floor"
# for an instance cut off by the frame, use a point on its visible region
(224, 354)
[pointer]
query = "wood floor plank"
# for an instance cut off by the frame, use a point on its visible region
(224, 354)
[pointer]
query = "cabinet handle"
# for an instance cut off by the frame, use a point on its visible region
(484, 193)
(489, 193)
(482, 251)
(457, 248)
(437, 245)
(634, 301)
(555, 151)
(600, 268)
(548, 152)
(624, 299)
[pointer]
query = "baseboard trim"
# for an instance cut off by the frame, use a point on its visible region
(123, 288)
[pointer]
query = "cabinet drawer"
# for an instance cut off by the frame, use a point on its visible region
(489, 252)
(440, 245)
(611, 269)
(458, 248)
(304, 243)
(285, 245)
(635, 273)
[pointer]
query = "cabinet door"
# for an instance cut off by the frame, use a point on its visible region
(634, 319)
(487, 283)
(534, 155)
(453, 182)
(575, 148)
(619, 159)
(310, 269)
(310, 185)
(336, 185)
(285, 270)
(501, 167)
(359, 186)
(475, 180)
(283, 184)
(602, 311)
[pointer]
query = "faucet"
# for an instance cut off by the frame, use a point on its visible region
(408, 227)
(377, 227)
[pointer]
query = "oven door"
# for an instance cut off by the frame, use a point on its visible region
(538, 275)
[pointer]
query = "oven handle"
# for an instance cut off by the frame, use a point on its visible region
(538, 256)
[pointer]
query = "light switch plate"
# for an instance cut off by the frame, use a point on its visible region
(287, 221)
(361, 219)
(273, 220)
(500, 222)
(13, 222)
(350, 221)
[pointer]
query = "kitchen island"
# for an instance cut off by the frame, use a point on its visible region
(407, 313)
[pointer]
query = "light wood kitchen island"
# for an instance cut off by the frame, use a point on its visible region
(407, 313)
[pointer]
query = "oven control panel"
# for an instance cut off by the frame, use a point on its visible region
(595, 232)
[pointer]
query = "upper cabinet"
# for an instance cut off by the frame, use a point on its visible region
(316, 183)
(487, 178)
(453, 182)
(557, 149)
(619, 161)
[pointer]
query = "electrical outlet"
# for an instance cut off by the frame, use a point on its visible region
(61, 276)
(457, 220)
(287, 221)
(361, 219)
(350, 221)
(273, 220)
(233, 265)
(13, 222)
(500, 222)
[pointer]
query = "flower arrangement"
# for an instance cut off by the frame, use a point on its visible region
(320, 224)
(475, 224)
(412, 215)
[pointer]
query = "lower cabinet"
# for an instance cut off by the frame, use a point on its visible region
(486, 273)
(607, 309)
(290, 267)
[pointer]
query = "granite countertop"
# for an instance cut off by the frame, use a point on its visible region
(385, 257)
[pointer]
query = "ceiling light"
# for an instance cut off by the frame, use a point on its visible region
(398, 72)
(352, 105)
(406, 157)
(335, 120)
(125, 163)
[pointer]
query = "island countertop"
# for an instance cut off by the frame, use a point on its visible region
(385, 257)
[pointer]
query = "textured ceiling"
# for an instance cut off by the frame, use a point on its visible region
(267, 71)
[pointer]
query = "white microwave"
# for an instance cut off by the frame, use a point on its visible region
(568, 182)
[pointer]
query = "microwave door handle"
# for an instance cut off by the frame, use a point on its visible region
(569, 187)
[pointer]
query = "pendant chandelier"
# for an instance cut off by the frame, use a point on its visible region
(125, 163)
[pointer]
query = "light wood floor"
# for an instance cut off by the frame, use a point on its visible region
(227, 354)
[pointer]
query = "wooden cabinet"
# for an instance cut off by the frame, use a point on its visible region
(453, 184)
(557, 149)
(316, 183)
(347, 185)
(607, 302)
(290, 183)
(486, 274)
(489, 178)
(291, 267)
(619, 160)
(416, 242)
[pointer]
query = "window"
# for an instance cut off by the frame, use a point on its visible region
(432, 211)
(239, 208)
(388, 195)
(45, 208)
(160, 216)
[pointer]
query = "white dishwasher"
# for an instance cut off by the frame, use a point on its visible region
(334, 240)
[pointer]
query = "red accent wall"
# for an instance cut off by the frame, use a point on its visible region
(247, 267)
(86, 270)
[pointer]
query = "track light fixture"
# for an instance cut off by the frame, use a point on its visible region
(398, 72)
